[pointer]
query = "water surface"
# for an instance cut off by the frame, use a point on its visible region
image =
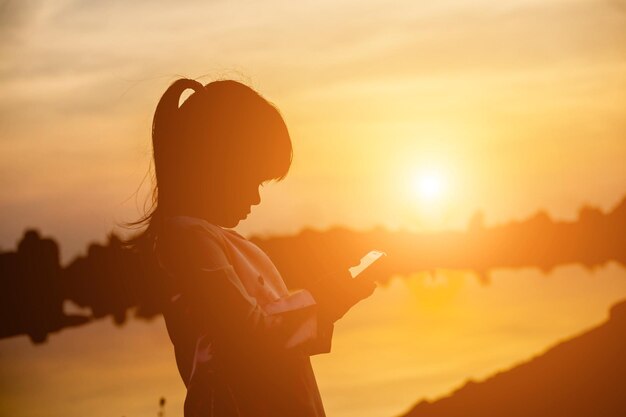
(418, 337)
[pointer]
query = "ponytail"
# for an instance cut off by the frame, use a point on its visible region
(164, 123)
(164, 128)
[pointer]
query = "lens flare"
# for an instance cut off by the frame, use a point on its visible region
(429, 186)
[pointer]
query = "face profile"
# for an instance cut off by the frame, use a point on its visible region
(236, 197)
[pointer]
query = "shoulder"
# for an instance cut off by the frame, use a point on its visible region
(190, 241)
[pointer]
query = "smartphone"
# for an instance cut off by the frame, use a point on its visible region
(366, 261)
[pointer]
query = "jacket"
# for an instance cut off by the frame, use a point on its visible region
(242, 339)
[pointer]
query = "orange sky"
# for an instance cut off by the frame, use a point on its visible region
(517, 106)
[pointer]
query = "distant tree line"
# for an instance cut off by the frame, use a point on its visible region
(112, 281)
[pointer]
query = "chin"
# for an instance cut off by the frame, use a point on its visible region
(231, 223)
(231, 219)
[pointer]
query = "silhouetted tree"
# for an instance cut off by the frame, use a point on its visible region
(111, 280)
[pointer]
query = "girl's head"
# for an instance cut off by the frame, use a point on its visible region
(213, 152)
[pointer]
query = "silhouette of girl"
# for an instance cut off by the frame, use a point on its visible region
(242, 339)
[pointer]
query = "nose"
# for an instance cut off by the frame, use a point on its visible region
(257, 196)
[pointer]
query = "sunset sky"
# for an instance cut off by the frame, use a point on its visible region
(512, 106)
(403, 114)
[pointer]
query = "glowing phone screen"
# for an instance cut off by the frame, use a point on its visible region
(366, 261)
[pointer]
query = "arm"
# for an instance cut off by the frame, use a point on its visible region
(210, 289)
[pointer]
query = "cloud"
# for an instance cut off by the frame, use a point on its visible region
(618, 4)
(13, 13)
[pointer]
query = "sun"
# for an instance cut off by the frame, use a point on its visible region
(429, 185)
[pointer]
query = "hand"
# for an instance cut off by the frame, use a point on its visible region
(375, 270)
(337, 292)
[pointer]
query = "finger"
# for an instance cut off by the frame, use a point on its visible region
(374, 270)
(364, 279)
(366, 288)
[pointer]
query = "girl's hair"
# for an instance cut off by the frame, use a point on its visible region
(221, 124)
